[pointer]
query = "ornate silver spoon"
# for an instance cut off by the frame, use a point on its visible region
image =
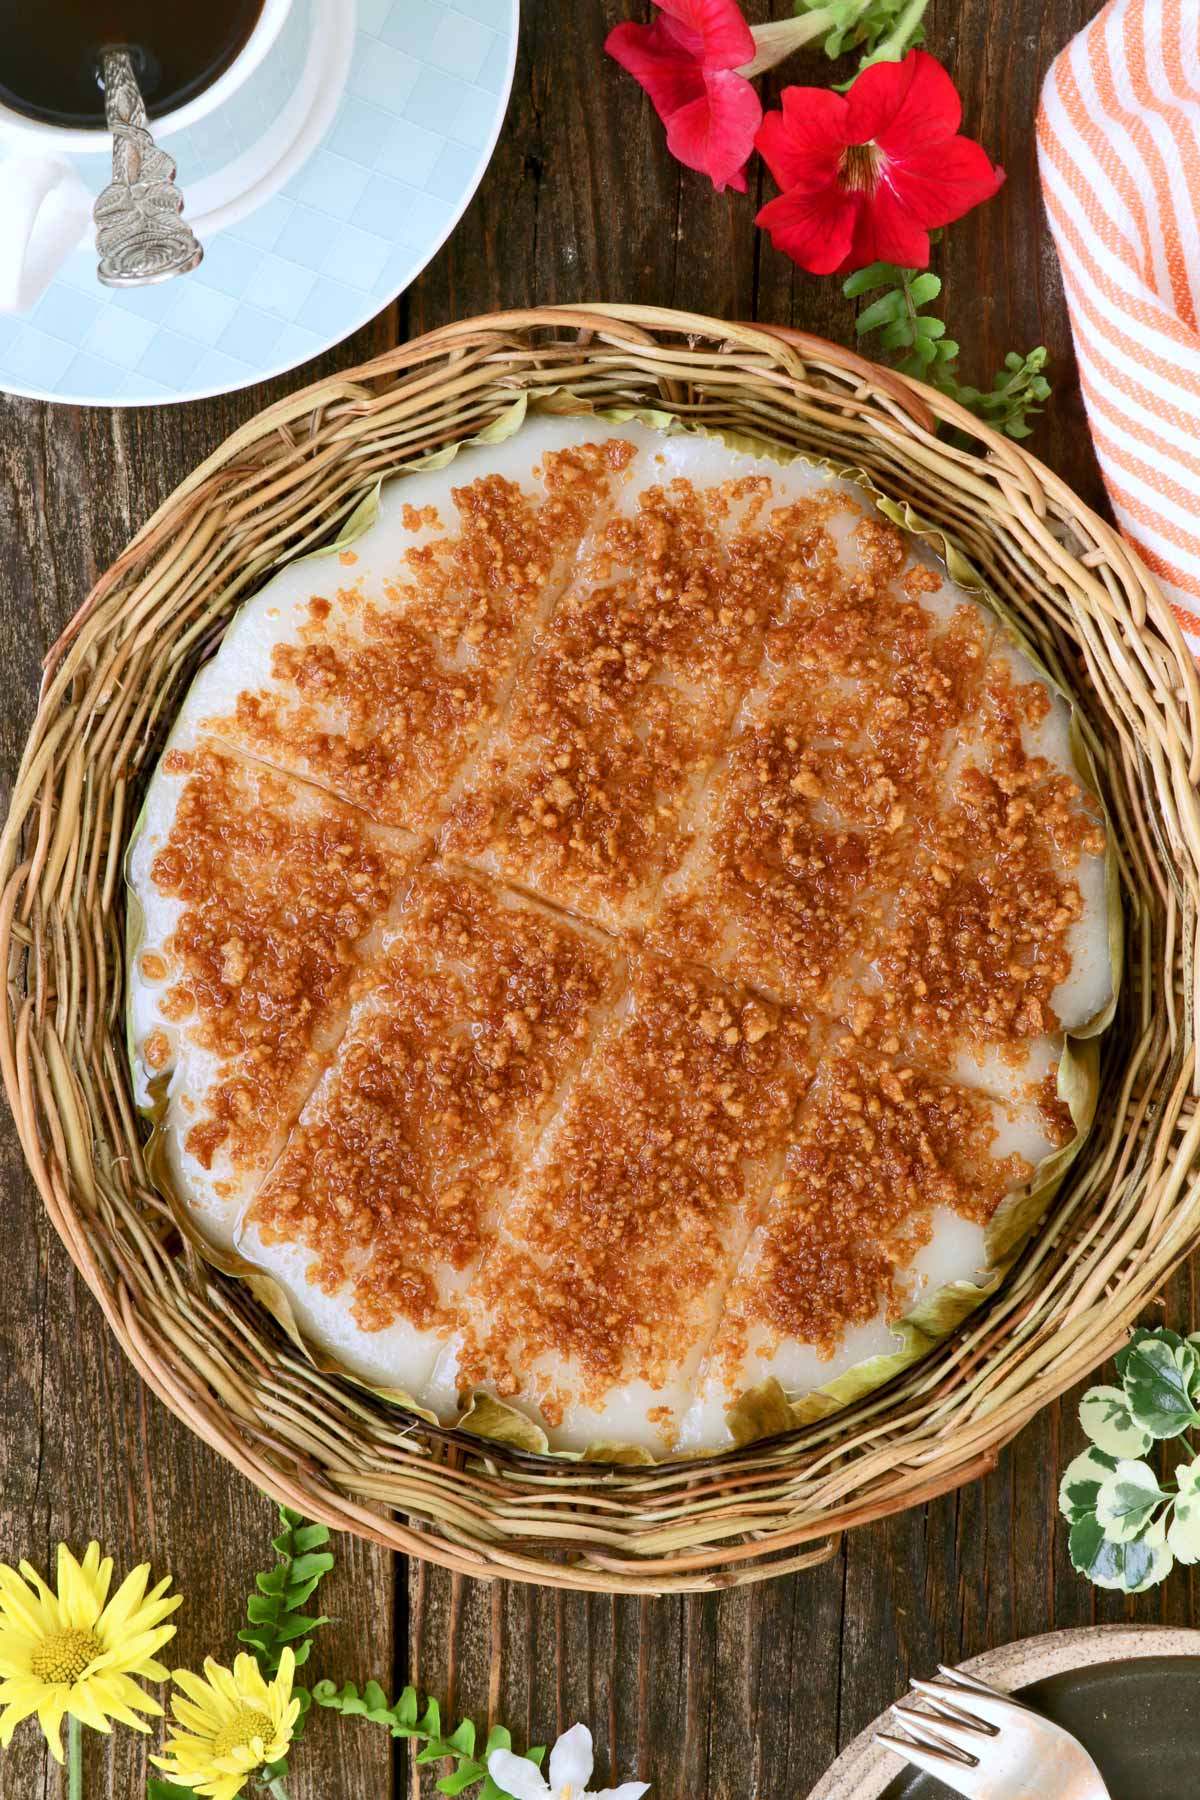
(140, 234)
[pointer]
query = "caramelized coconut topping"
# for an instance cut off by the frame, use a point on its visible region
(463, 1034)
(622, 709)
(837, 761)
(878, 1145)
(384, 694)
(615, 1253)
(278, 886)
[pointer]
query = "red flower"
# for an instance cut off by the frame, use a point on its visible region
(868, 174)
(686, 61)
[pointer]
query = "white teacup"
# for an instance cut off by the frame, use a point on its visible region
(45, 208)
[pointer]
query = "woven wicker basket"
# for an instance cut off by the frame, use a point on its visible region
(1132, 1202)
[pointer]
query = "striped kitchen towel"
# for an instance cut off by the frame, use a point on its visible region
(1119, 148)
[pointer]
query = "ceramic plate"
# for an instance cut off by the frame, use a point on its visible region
(1131, 1696)
(319, 190)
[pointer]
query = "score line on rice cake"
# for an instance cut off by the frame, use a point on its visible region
(593, 1308)
(587, 793)
(459, 1043)
(258, 896)
(685, 1001)
(889, 1180)
(375, 671)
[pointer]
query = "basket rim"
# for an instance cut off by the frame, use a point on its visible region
(790, 350)
(923, 404)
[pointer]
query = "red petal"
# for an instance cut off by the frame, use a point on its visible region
(815, 227)
(886, 231)
(670, 76)
(903, 106)
(944, 181)
(714, 30)
(715, 133)
(805, 141)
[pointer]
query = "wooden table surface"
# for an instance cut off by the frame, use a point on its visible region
(738, 1695)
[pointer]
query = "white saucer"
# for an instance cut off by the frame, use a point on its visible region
(319, 191)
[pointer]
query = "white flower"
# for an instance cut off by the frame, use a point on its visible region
(570, 1772)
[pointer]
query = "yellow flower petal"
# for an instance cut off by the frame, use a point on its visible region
(19, 1608)
(117, 1694)
(132, 1610)
(195, 1720)
(50, 1713)
(224, 1681)
(83, 1705)
(197, 1689)
(249, 1681)
(18, 1708)
(83, 1587)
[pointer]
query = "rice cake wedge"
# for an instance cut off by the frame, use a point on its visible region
(838, 754)
(889, 1183)
(998, 931)
(376, 670)
(1022, 757)
(586, 794)
(459, 1045)
(592, 1311)
(255, 898)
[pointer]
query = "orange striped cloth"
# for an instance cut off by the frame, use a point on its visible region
(1119, 148)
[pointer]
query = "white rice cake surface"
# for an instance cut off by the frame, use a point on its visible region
(593, 1309)
(376, 670)
(260, 897)
(458, 1048)
(888, 1184)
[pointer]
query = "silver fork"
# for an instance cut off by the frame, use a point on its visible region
(988, 1746)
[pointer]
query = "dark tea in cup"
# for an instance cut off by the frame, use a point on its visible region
(50, 52)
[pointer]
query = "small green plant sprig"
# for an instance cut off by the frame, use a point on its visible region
(1128, 1529)
(917, 343)
(405, 1719)
(879, 30)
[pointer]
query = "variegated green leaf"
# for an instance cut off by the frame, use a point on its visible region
(1183, 1534)
(1128, 1500)
(1160, 1379)
(1144, 1334)
(1187, 1477)
(1128, 1568)
(1105, 1416)
(1081, 1483)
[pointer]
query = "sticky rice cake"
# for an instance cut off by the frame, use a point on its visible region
(694, 822)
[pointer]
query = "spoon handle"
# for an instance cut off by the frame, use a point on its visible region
(140, 234)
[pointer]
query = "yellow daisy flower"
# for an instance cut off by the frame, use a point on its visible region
(75, 1652)
(234, 1722)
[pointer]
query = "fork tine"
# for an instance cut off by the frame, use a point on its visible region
(961, 1679)
(932, 1762)
(944, 1733)
(994, 1710)
(934, 1701)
